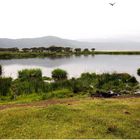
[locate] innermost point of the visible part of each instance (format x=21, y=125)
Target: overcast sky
x=73, y=19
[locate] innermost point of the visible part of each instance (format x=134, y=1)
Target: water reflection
x=75, y=65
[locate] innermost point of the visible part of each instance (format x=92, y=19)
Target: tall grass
x=5, y=84
x=29, y=81
x=30, y=74
x=0, y=70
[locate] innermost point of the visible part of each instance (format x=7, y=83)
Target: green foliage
x=30, y=74
x=77, y=50
x=62, y=93
x=86, y=50
x=0, y=70
x=29, y=81
x=132, y=80
x=106, y=81
x=5, y=84
x=138, y=71
x=77, y=85
x=59, y=74
x=55, y=51
x=27, y=87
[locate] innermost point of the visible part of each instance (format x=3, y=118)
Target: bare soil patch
x=43, y=103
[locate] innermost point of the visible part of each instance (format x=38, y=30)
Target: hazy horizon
x=71, y=19
x=111, y=39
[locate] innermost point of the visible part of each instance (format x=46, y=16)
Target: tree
x=55, y=49
x=68, y=49
x=138, y=71
x=26, y=49
x=93, y=49
x=77, y=49
x=59, y=74
x=9, y=49
x=0, y=70
x=34, y=49
x=86, y=50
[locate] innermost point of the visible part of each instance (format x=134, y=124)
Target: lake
x=75, y=65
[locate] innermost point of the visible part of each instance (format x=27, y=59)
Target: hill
x=52, y=40
x=42, y=41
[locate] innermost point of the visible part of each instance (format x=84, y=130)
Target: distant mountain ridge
x=52, y=40
x=41, y=42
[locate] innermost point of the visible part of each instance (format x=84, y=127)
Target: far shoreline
x=20, y=55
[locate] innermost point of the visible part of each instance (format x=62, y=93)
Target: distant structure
x=112, y=4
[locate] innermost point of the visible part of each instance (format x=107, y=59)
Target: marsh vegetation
x=31, y=81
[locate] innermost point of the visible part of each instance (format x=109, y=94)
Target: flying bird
x=112, y=4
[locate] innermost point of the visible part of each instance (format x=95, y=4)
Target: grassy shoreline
x=19, y=55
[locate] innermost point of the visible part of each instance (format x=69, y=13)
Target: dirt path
x=44, y=103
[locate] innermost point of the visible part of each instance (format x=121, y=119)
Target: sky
x=72, y=19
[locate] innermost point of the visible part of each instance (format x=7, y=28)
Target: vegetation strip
x=31, y=81
x=54, y=51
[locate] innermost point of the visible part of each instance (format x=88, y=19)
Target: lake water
x=75, y=65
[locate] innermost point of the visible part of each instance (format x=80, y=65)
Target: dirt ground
x=43, y=103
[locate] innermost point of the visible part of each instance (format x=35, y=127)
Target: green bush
x=30, y=74
x=115, y=81
x=29, y=81
x=5, y=84
x=132, y=80
x=138, y=71
x=59, y=74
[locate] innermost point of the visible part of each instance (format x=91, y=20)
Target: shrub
x=30, y=74
x=132, y=80
x=138, y=71
x=116, y=82
x=29, y=81
x=77, y=85
x=5, y=84
x=59, y=74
